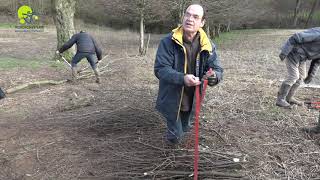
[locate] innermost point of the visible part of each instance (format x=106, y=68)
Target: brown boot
x=97, y=74
x=290, y=99
x=281, y=99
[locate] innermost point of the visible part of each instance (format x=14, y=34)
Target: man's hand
x=209, y=73
x=191, y=80
x=282, y=56
x=308, y=80
x=58, y=52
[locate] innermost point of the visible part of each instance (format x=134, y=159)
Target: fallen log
x=45, y=82
x=33, y=84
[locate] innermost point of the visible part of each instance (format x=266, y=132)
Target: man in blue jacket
x=87, y=47
x=299, y=48
x=183, y=59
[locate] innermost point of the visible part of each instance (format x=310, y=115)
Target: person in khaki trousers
x=299, y=48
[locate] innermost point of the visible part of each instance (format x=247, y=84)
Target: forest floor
x=111, y=130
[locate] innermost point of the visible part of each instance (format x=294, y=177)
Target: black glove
x=99, y=57
x=212, y=80
x=282, y=56
x=308, y=80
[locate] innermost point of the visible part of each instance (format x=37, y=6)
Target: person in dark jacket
x=183, y=59
x=299, y=48
x=87, y=48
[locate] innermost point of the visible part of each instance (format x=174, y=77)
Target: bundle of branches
x=123, y=139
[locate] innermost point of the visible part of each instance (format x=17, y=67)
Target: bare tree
x=138, y=12
x=314, y=5
x=179, y=8
x=142, y=6
x=296, y=11
x=63, y=11
x=222, y=13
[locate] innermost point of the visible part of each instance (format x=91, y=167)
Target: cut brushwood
x=315, y=86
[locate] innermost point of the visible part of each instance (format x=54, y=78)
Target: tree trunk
x=182, y=5
x=296, y=11
x=63, y=16
x=229, y=26
x=14, y=8
x=217, y=30
x=148, y=41
x=315, y=4
x=142, y=49
x=208, y=29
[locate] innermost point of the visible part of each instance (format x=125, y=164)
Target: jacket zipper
x=185, y=71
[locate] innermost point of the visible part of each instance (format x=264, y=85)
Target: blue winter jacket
x=303, y=45
x=171, y=66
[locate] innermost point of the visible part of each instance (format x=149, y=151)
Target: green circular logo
x=26, y=15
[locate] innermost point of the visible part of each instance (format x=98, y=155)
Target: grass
x=7, y=63
x=226, y=37
x=7, y=25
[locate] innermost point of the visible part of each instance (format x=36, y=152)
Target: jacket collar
x=204, y=40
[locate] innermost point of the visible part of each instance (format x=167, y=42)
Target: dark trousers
x=176, y=127
x=91, y=58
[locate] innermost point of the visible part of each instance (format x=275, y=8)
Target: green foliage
x=227, y=37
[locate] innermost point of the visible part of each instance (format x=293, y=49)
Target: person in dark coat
x=183, y=59
x=87, y=48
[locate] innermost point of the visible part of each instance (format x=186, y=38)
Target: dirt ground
x=111, y=130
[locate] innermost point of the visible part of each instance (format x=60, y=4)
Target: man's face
x=192, y=19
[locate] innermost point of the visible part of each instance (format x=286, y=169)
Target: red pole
x=196, y=142
x=197, y=114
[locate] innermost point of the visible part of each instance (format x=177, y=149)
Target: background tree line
x=160, y=16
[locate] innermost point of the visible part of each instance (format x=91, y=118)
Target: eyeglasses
x=194, y=16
